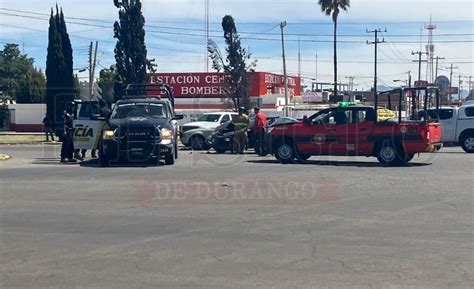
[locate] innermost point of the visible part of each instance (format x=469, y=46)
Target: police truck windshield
x=154, y=110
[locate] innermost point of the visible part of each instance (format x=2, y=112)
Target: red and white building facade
x=195, y=93
x=201, y=91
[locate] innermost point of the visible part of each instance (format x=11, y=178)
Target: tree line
x=20, y=81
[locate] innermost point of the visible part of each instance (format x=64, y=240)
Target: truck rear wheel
x=390, y=155
x=467, y=144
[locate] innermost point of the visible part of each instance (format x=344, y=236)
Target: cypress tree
x=59, y=67
x=236, y=65
x=67, y=52
x=130, y=50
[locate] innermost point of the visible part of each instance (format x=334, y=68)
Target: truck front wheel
x=103, y=159
x=467, y=144
x=170, y=158
x=198, y=143
x=285, y=153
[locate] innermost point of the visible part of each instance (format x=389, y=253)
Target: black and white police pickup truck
x=141, y=126
x=458, y=125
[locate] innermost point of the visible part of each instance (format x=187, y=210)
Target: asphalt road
x=224, y=221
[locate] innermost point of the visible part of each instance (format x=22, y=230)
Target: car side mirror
x=331, y=120
x=97, y=117
x=178, y=117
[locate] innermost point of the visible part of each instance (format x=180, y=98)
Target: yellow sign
x=384, y=114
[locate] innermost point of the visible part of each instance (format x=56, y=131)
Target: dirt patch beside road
x=15, y=139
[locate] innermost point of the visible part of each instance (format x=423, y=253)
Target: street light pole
x=282, y=25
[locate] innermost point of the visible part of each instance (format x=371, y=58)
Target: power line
x=260, y=23
x=101, y=40
x=203, y=30
x=390, y=44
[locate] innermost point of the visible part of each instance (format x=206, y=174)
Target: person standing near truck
x=48, y=128
x=241, y=124
x=259, y=127
x=67, y=148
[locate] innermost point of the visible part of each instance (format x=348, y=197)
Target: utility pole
x=282, y=25
x=409, y=79
x=436, y=70
x=376, y=41
x=316, y=67
x=206, y=35
x=459, y=88
x=420, y=53
x=93, y=67
x=470, y=77
x=90, y=70
x=299, y=56
x=451, y=80
x=92, y=64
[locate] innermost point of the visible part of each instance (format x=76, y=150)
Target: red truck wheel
x=390, y=155
x=285, y=153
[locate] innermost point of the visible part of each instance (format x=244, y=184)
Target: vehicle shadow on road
x=94, y=163
x=340, y=163
x=50, y=161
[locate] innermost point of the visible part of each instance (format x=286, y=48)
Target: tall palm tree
x=332, y=8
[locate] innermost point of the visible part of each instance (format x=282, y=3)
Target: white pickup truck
x=458, y=125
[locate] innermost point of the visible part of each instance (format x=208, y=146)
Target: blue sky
x=175, y=35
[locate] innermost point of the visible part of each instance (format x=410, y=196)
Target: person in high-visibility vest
x=241, y=124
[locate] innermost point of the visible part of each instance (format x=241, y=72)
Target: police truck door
x=86, y=129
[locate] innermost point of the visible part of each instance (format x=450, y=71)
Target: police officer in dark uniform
x=67, y=148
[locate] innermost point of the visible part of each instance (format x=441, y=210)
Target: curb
x=4, y=157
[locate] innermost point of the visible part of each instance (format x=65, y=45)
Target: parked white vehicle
x=194, y=134
x=458, y=125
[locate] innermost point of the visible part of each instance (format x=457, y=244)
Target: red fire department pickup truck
x=357, y=130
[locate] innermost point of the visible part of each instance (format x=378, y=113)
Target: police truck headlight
x=108, y=134
x=167, y=134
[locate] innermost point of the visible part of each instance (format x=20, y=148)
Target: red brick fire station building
x=203, y=91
